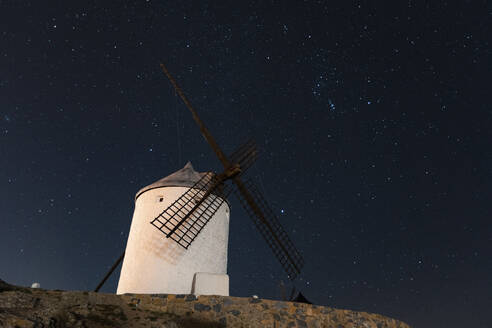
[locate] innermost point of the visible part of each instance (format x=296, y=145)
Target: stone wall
x=26, y=307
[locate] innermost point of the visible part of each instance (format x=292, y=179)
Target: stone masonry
x=26, y=307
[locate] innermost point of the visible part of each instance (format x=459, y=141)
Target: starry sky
x=372, y=123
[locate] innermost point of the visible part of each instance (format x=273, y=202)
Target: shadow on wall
x=164, y=248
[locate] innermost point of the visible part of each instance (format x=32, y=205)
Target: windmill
x=188, y=215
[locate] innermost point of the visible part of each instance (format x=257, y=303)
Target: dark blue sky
x=372, y=122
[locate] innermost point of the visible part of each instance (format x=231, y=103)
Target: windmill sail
x=269, y=226
x=254, y=203
x=183, y=220
x=245, y=155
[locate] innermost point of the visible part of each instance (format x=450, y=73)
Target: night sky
x=373, y=124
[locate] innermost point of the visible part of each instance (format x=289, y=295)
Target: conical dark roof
x=185, y=177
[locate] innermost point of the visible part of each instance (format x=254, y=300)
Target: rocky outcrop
x=26, y=307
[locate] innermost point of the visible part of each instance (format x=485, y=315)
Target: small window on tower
x=160, y=199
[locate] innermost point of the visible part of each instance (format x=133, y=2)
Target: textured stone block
x=210, y=284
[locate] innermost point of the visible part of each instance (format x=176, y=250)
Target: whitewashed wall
x=156, y=264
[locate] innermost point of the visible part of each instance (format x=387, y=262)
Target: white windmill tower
x=189, y=208
x=153, y=264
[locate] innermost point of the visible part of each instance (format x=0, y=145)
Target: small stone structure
x=28, y=308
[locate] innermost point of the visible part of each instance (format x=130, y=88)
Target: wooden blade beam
x=206, y=134
x=171, y=222
x=215, y=183
x=183, y=220
x=262, y=216
x=245, y=155
x=115, y=265
x=269, y=227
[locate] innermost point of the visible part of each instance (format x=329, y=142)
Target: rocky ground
x=27, y=307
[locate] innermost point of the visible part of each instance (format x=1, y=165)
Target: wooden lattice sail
x=251, y=199
x=187, y=216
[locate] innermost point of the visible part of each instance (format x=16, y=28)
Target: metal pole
x=115, y=265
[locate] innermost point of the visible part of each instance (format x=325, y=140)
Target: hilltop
x=28, y=307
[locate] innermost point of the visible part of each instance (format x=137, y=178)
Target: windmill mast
x=266, y=222
x=202, y=198
x=208, y=137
